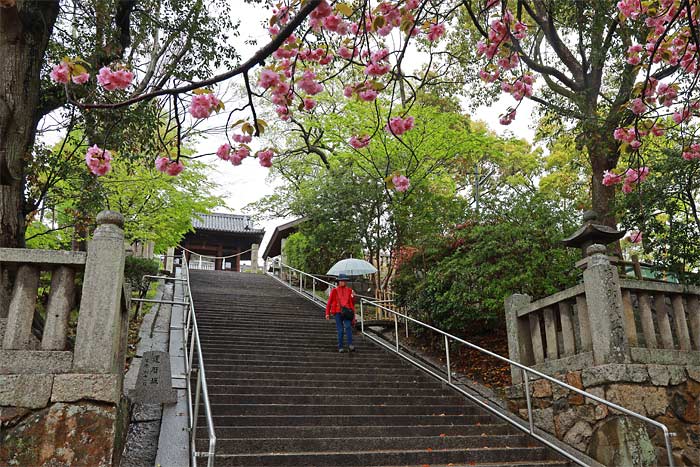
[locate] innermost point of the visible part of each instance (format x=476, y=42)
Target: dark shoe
x=352, y=348
x=341, y=350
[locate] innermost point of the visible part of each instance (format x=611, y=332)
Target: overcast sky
x=239, y=186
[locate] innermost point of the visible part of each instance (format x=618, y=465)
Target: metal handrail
x=526, y=371
x=526, y=378
x=193, y=410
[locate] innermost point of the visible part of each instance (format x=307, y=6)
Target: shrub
x=134, y=270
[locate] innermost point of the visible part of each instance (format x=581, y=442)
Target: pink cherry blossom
x=309, y=104
x=98, y=160
x=637, y=106
x=268, y=78
x=436, y=32
x=401, y=183
x=112, y=80
x=634, y=236
x=399, y=126
x=507, y=118
x=308, y=83
x=611, y=178
x=82, y=78
x=202, y=105
x=265, y=157
x=240, y=138
x=359, y=142
x=60, y=73
x=174, y=168
x=636, y=175
x=224, y=152
x=368, y=95
x=346, y=53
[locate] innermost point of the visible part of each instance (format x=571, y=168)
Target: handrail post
x=362, y=315
x=526, y=381
x=313, y=287
x=396, y=331
x=447, y=359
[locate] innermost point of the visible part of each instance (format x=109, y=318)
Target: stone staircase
x=282, y=395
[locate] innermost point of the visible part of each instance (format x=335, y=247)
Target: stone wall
x=665, y=393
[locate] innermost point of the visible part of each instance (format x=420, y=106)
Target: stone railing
x=605, y=320
x=35, y=372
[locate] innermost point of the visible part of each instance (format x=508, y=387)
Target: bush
x=134, y=270
x=464, y=279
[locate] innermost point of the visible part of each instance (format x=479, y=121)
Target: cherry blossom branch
x=258, y=58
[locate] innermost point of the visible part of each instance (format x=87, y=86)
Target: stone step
x=221, y=420
x=348, y=457
x=327, y=444
x=346, y=377
x=226, y=380
x=245, y=432
x=285, y=391
x=310, y=357
x=339, y=409
x=336, y=397
x=323, y=367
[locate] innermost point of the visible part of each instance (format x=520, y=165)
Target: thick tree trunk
x=24, y=33
x=603, y=154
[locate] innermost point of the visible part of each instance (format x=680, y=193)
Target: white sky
x=248, y=182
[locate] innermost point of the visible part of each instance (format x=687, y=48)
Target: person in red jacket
x=342, y=296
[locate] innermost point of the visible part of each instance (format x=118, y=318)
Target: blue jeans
x=343, y=326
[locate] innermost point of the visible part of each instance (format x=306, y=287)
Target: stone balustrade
x=34, y=372
x=605, y=320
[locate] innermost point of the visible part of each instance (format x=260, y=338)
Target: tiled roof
x=220, y=222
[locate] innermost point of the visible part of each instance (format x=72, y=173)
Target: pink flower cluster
x=507, y=118
x=401, y=182
x=359, y=142
x=226, y=153
x=436, y=32
x=111, y=80
x=692, y=153
x=521, y=87
x=399, y=126
x=62, y=72
x=631, y=177
x=265, y=157
x=202, y=105
x=308, y=83
x=378, y=64
x=627, y=135
x=634, y=236
x=172, y=168
x=98, y=160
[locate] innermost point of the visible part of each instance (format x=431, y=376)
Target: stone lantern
x=592, y=233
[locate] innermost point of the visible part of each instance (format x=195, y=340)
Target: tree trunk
x=603, y=155
x=24, y=33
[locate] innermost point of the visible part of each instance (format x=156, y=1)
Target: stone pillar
x=605, y=308
x=99, y=336
x=254, y=257
x=18, y=332
x=519, y=342
x=170, y=260
x=58, y=308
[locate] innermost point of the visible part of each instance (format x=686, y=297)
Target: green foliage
x=665, y=208
x=134, y=270
x=315, y=250
x=465, y=276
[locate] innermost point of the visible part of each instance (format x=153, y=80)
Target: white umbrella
x=352, y=267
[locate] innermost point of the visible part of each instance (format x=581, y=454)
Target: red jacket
x=340, y=296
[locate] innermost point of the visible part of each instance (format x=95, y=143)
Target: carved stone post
x=605, y=308
x=254, y=257
x=99, y=336
x=519, y=342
